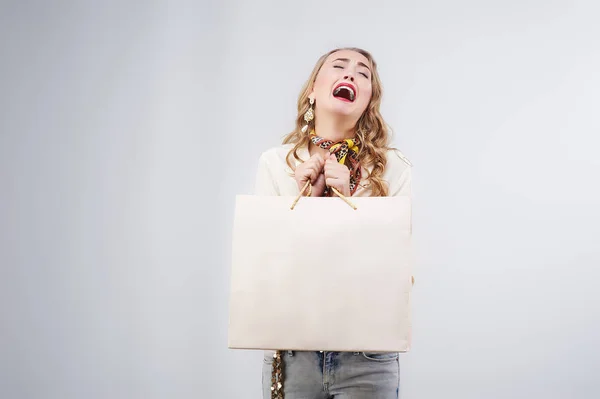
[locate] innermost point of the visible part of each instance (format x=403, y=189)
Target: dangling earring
x=308, y=115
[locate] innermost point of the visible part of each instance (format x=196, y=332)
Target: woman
x=339, y=147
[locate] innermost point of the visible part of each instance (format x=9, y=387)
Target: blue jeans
x=339, y=375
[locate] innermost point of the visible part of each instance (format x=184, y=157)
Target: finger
x=314, y=164
x=317, y=161
x=332, y=171
x=333, y=182
x=337, y=168
x=342, y=179
x=310, y=174
x=314, y=176
x=322, y=161
x=318, y=158
x=316, y=172
x=339, y=185
x=321, y=178
x=329, y=172
x=331, y=162
x=320, y=181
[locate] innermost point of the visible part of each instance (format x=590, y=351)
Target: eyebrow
x=347, y=60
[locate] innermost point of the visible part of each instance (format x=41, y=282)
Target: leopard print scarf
x=346, y=152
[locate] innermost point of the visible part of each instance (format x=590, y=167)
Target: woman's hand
x=311, y=170
x=337, y=175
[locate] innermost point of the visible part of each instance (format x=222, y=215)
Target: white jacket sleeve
x=265, y=184
x=401, y=181
x=403, y=185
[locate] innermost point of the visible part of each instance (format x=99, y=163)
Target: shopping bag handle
x=307, y=185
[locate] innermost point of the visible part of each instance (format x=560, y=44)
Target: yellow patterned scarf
x=346, y=152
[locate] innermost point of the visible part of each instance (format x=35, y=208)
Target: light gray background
x=127, y=128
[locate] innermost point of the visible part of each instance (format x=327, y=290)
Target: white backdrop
x=127, y=128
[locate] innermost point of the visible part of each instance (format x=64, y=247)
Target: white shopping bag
x=321, y=276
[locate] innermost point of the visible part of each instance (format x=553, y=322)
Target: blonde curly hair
x=370, y=129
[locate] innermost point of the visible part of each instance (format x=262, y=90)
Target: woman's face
x=343, y=84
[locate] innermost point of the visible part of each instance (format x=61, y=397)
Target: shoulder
x=397, y=163
x=275, y=176
x=273, y=161
x=275, y=155
x=398, y=173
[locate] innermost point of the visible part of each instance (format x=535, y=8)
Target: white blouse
x=274, y=176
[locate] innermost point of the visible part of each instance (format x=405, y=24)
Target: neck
x=333, y=130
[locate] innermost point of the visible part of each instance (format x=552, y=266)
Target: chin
x=343, y=110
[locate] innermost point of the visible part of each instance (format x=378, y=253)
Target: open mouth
x=345, y=92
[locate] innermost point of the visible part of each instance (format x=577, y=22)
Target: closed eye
x=338, y=66
x=365, y=75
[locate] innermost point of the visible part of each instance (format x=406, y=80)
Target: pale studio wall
x=127, y=128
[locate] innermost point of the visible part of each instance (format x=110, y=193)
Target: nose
x=349, y=77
